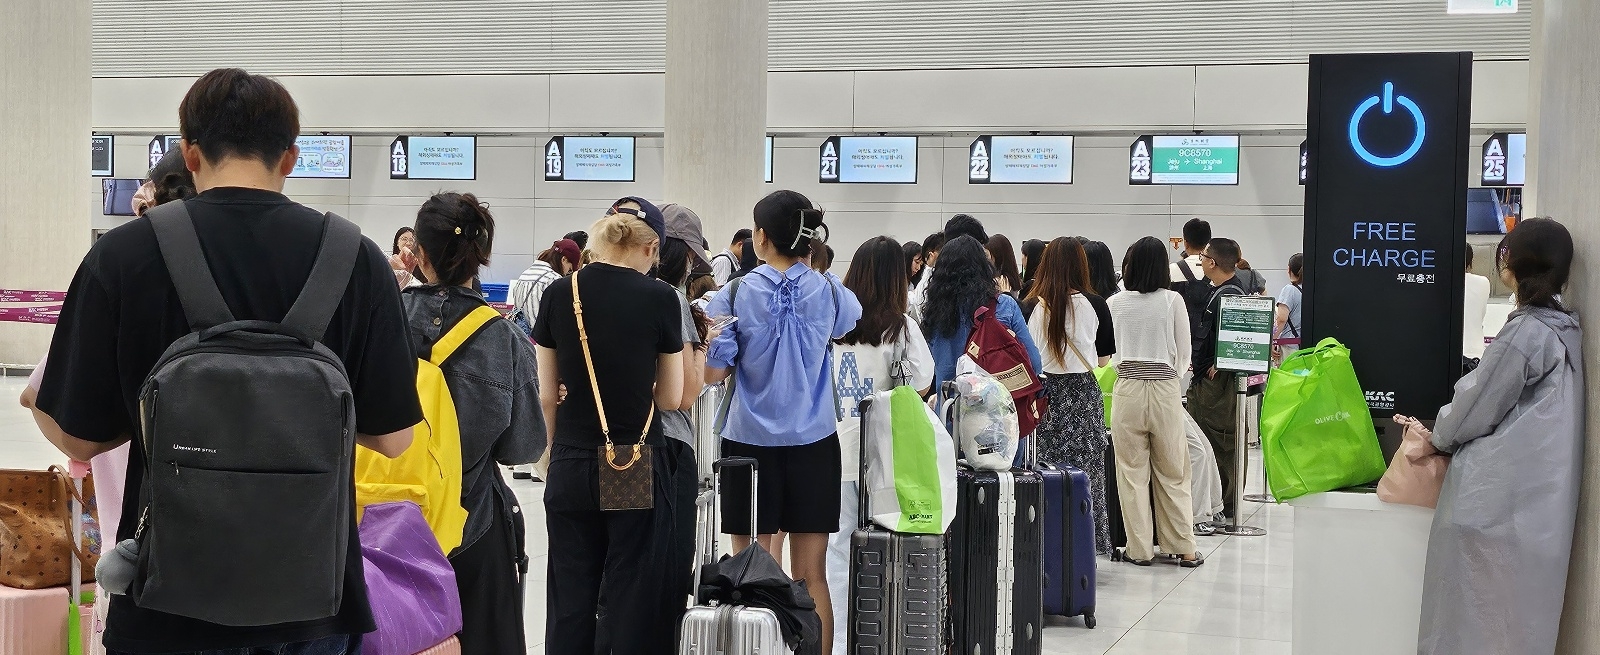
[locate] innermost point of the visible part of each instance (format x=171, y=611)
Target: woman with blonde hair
x=613, y=336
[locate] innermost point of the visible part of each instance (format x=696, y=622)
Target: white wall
x=407, y=37
x=515, y=114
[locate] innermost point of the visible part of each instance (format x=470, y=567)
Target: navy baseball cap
x=647, y=212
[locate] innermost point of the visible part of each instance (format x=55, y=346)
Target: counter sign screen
x=868, y=160
x=323, y=157
x=1184, y=160
x=589, y=159
x=1505, y=160
x=434, y=158
x=1020, y=160
x=102, y=157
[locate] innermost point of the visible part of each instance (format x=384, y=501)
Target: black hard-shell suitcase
x=996, y=551
x=897, y=583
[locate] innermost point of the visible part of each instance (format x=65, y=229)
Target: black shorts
x=799, y=488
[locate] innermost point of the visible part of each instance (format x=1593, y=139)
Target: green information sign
x=1244, y=337
x=1194, y=160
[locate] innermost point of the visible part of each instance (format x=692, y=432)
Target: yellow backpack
x=429, y=472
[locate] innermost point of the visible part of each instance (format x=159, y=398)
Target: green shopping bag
x=1316, y=430
x=910, y=472
x=1106, y=376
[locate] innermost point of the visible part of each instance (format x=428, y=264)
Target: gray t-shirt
x=1290, y=297
x=679, y=424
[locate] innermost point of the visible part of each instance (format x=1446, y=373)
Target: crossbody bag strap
x=833, y=383
x=731, y=384
x=594, y=385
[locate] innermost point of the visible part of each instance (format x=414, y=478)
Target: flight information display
x=868, y=160
x=160, y=144
x=1020, y=160
x=589, y=159
x=102, y=155
x=1505, y=159
x=322, y=156
x=1184, y=160
x=433, y=158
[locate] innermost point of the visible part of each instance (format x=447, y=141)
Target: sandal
x=1191, y=563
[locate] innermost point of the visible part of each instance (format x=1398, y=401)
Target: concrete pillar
x=45, y=188
x=716, y=111
x=1564, y=162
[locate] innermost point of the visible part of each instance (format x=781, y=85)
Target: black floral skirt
x=1075, y=434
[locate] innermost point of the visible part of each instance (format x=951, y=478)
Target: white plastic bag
x=1205, y=483
x=910, y=465
x=985, y=418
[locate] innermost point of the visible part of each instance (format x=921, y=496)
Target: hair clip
x=458, y=229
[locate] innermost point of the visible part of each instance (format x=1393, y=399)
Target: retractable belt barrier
x=40, y=313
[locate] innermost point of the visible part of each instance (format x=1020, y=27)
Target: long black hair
x=963, y=281
x=1539, y=254
x=877, y=275
x=913, y=253
x=672, y=267
x=456, y=233
x=1102, y=269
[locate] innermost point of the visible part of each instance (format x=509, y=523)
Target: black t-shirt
x=1205, y=335
x=631, y=320
x=1105, y=337
x=122, y=312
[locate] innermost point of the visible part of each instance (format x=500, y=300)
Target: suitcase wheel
x=1088, y=619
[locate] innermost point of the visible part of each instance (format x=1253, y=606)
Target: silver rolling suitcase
x=712, y=629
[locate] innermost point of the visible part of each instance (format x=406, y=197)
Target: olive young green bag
x=1316, y=430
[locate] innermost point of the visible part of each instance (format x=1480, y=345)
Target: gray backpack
x=248, y=431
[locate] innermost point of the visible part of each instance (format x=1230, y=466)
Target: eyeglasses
x=1205, y=256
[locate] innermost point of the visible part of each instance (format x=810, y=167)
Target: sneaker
x=521, y=475
x=1204, y=530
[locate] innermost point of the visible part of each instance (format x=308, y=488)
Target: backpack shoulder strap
x=464, y=329
x=186, y=265
x=1188, y=274
x=330, y=275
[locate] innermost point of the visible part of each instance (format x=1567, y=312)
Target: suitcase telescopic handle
x=863, y=408
x=755, y=487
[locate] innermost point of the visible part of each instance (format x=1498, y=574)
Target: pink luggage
x=34, y=621
x=450, y=647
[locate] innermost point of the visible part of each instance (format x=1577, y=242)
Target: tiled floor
x=1239, y=603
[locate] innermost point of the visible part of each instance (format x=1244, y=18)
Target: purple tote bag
x=410, y=584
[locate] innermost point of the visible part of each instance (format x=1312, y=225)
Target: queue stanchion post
x=1266, y=492
x=1241, y=459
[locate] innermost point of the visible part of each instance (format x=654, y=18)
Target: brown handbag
x=36, y=548
x=629, y=485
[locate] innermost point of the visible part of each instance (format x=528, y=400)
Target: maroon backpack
x=996, y=349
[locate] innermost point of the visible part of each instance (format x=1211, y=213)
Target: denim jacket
x=493, y=379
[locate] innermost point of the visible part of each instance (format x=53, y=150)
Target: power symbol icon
x=1389, y=99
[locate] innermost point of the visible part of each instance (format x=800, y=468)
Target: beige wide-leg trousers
x=1147, y=428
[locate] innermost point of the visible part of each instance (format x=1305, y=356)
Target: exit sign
x=1483, y=6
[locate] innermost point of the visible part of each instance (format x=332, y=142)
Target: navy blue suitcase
x=1069, y=561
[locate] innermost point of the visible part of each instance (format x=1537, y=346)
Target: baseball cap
x=647, y=212
x=684, y=225
x=569, y=251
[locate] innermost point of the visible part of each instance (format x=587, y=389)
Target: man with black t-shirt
x=122, y=311
x=1211, y=394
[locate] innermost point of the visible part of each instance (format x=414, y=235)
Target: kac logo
x=1383, y=400
x=1389, y=99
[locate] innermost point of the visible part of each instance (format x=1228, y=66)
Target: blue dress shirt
x=779, y=350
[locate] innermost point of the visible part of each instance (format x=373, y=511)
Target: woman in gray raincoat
x=1502, y=536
